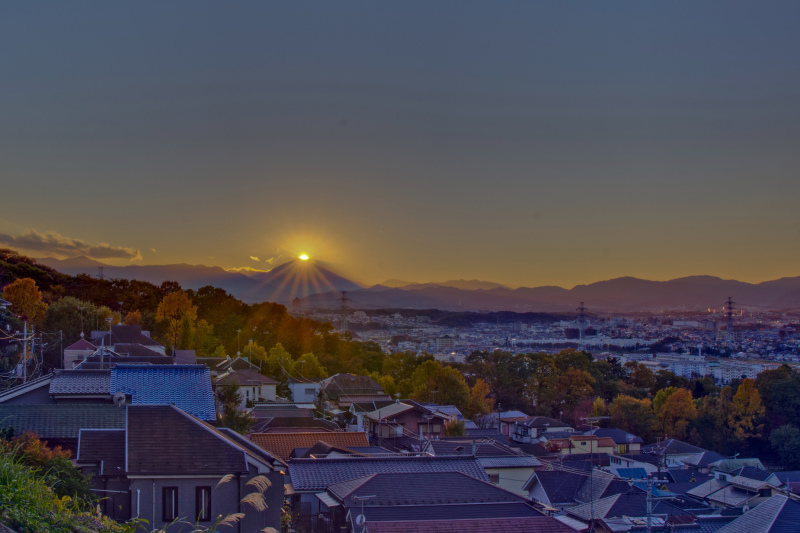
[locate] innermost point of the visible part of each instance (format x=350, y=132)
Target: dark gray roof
x=394, y=513
x=81, y=382
x=632, y=504
x=617, y=435
x=672, y=447
x=463, y=446
x=559, y=486
x=315, y=475
x=125, y=335
x=487, y=433
x=753, y=472
x=421, y=488
x=509, y=461
x=703, y=459
x=137, y=350
x=106, y=445
x=61, y=421
x=540, y=422
x=163, y=440
x=779, y=514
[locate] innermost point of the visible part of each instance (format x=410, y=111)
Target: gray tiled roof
x=106, y=445
x=518, y=461
x=778, y=514
x=61, y=421
x=81, y=382
x=315, y=475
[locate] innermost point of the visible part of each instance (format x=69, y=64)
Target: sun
x=303, y=257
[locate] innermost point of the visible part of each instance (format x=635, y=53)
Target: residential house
x=349, y=385
x=733, y=491
x=624, y=442
x=303, y=391
x=252, y=386
x=187, y=386
x=505, y=467
x=77, y=352
x=165, y=466
x=405, y=418
x=357, y=412
x=778, y=514
x=408, y=501
x=581, y=444
x=635, y=461
x=282, y=445
x=221, y=365
x=672, y=451
x=529, y=429
x=309, y=477
x=126, y=340
x=60, y=424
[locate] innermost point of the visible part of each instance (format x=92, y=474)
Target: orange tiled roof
x=282, y=444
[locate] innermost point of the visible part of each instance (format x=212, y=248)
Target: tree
x=675, y=412
x=26, y=300
x=454, y=429
x=633, y=415
x=747, y=412
x=433, y=382
x=231, y=417
x=785, y=441
x=308, y=366
x=599, y=407
x=173, y=307
x=573, y=386
x=65, y=315
x=480, y=403
x=133, y=318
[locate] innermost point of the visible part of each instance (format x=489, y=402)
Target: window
x=494, y=478
x=170, y=504
x=203, y=504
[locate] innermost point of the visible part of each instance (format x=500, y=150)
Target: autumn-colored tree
x=386, y=382
x=573, y=386
x=599, y=407
x=480, y=403
x=26, y=300
x=746, y=419
x=456, y=428
x=173, y=307
x=133, y=318
x=633, y=415
x=675, y=412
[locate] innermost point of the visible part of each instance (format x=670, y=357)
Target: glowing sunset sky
x=527, y=143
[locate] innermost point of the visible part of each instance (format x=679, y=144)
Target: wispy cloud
x=54, y=243
x=154, y=250
x=254, y=258
x=244, y=269
x=278, y=259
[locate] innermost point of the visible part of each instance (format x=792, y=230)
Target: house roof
x=315, y=475
x=245, y=378
x=617, y=435
x=301, y=424
x=517, y=461
x=83, y=382
x=186, y=386
x=463, y=512
x=106, y=445
x=420, y=488
x=350, y=384
x=486, y=433
x=185, y=357
x=540, y=422
x=703, y=459
x=24, y=388
x=61, y=420
x=390, y=411
x=138, y=350
x=623, y=504
x=367, y=406
x=559, y=486
x=81, y=345
x=282, y=444
x=164, y=440
x=732, y=465
x=348, y=399
x=539, y=524
x=464, y=446
x=778, y=514
x=126, y=335
x=672, y=447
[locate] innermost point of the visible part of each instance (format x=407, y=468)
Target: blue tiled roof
x=632, y=473
x=188, y=387
x=315, y=475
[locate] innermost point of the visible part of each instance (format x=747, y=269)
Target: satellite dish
x=361, y=520
x=119, y=399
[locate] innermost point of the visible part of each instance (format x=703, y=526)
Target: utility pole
x=591, y=420
x=25, y=354
x=649, y=501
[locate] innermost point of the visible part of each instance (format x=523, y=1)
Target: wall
x=512, y=479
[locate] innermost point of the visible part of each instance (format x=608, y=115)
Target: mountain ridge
x=318, y=285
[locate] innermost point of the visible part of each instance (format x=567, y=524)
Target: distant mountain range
x=319, y=286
